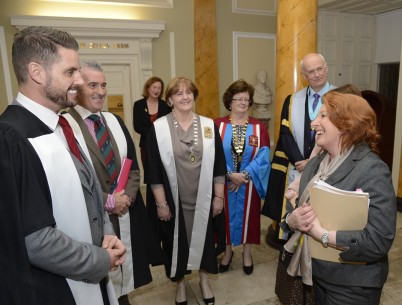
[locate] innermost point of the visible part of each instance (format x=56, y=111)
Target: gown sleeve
x=23, y=177
x=154, y=166
x=289, y=144
x=260, y=167
x=24, y=208
x=220, y=161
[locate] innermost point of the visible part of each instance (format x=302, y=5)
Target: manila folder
x=337, y=211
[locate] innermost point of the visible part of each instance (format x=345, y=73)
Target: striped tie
x=316, y=100
x=315, y=103
x=105, y=146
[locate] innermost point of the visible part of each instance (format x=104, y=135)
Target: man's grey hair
x=92, y=65
x=322, y=58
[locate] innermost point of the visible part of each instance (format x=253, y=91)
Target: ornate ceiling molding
x=93, y=27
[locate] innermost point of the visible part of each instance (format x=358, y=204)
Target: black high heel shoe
x=248, y=269
x=209, y=301
x=223, y=268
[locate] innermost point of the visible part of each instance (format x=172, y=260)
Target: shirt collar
x=85, y=113
x=324, y=90
x=47, y=116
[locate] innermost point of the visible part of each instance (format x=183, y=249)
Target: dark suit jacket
x=365, y=170
x=99, y=163
x=142, y=123
x=144, y=245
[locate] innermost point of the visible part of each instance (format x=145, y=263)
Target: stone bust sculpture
x=262, y=96
x=262, y=93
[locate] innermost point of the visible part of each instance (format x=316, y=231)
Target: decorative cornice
x=142, y=3
x=94, y=27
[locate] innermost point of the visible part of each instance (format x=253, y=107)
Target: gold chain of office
x=193, y=143
x=239, y=137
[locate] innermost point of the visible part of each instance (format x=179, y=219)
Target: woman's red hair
x=354, y=118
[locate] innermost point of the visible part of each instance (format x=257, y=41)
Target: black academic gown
x=286, y=152
x=25, y=207
x=215, y=235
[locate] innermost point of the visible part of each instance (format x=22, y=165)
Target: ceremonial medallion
x=192, y=158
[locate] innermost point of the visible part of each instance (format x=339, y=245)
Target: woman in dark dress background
x=148, y=109
x=145, y=112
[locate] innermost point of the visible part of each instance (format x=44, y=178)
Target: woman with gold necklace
x=186, y=171
x=246, y=145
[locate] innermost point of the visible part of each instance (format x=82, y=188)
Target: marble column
x=296, y=36
x=206, y=58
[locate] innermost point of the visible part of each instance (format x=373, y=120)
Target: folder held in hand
x=124, y=173
x=337, y=210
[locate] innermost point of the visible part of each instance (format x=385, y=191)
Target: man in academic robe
x=125, y=207
x=58, y=244
x=296, y=139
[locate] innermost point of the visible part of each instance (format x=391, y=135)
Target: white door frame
x=396, y=161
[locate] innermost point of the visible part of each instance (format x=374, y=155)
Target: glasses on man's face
x=241, y=100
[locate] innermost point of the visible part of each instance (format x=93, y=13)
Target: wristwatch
x=325, y=238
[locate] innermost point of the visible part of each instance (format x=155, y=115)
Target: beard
x=58, y=96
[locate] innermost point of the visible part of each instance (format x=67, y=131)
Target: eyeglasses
x=239, y=100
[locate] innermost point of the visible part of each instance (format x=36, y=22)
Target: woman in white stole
x=186, y=171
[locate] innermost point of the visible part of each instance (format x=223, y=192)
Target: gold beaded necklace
x=238, y=138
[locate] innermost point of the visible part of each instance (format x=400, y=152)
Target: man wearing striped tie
x=296, y=140
x=106, y=140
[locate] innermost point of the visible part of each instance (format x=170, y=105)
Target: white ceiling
x=371, y=7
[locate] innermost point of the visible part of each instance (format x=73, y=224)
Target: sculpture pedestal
x=261, y=113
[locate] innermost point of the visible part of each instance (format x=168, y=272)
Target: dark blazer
x=362, y=169
x=141, y=121
x=99, y=163
x=142, y=238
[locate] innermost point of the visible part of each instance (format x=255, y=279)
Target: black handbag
x=290, y=289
